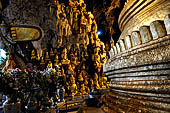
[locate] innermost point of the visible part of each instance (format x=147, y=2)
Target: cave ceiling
x=106, y=13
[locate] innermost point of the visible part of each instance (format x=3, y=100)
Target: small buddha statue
x=55, y=51
x=47, y=57
x=96, y=83
x=83, y=71
x=91, y=83
x=73, y=85
x=103, y=56
x=70, y=69
x=101, y=82
x=33, y=54
x=94, y=28
x=51, y=52
x=86, y=54
x=38, y=56
x=83, y=90
x=75, y=21
x=82, y=21
x=10, y=63
x=42, y=63
x=64, y=57
x=50, y=65
x=97, y=41
x=80, y=78
x=96, y=77
x=105, y=83
x=83, y=59
x=96, y=58
x=62, y=72
x=85, y=81
x=56, y=61
x=42, y=60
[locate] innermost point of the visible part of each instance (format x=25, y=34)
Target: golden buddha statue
x=56, y=61
x=96, y=58
x=91, y=38
x=96, y=83
x=105, y=83
x=94, y=28
x=73, y=86
x=64, y=57
x=42, y=60
x=55, y=51
x=91, y=83
x=47, y=57
x=96, y=77
x=80, y=77
x=86, y=54
x=75, y=61
x=75, y=23
x=82, y=20
x=70, y=69
x=83, y=7
x=10, y=63
x=83, y=90
x=51, y=52
x=97, y=42
x=50, y=65
x=83, y=71
x=101, y=82
x=38, y=56
x=83, y=59
x=33, y=54
x=85, y=81
x=62, y=71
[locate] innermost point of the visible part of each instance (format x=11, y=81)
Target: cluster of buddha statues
x=82, y=68
x=81, y=61
x=73, y=23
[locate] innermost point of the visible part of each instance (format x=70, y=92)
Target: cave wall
x=32, y=12
x=106, y=13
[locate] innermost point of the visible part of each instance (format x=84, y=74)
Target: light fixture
x=99, y=32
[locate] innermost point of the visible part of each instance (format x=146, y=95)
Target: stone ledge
x=156, y=51
x=133, y=17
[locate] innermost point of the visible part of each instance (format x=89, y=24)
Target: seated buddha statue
x=51, y=54
x=56, y=61
x=91, y=84
x=33, y=54
x=105, y=83
x=96, y=58
x=50, y=65
x=70, y=69
x=80, y=77
x=64, y=57
x=83, y=71
x=38, y=57
x=10, y=63
x=73, y=86
x=83, y=90
x=96, y=83
x=47, y=58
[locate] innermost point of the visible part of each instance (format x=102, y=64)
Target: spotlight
x=99, y=32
